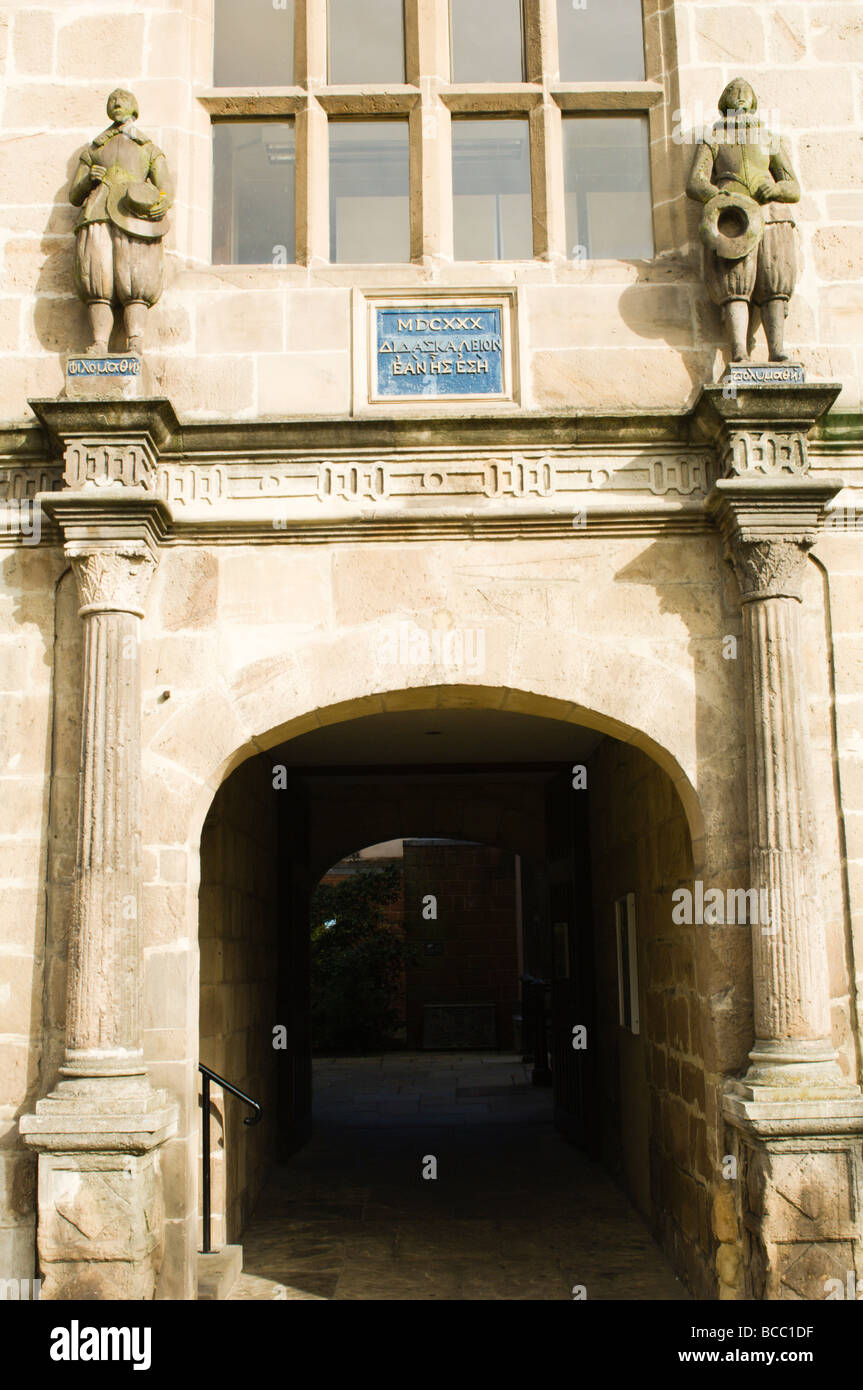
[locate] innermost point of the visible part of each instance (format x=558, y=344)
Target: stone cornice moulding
x=761, y=430
x=320, y=481
x=108, y=444
x=62, y=420
x=236, y=525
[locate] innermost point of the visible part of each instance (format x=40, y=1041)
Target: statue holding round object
x=742, y=175
x=124, y=189
x=731, y=226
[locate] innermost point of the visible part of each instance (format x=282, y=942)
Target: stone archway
x=676, y=980
x=245, y=705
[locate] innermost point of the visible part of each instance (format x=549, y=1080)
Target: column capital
x=769, y=525
x=112, y=539
x=761, y=431
x=114, y=579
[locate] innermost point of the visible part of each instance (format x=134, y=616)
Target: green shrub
x=357, y=961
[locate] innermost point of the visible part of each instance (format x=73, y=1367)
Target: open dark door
x=572, y=978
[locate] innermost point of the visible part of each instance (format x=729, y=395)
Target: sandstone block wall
x=247, y=341
x=32, y=987
x=655, y=1130
x=244, y=646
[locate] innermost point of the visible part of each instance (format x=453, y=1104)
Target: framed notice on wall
x=627, y=963
x=436, y=348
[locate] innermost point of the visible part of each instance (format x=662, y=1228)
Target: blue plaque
x=439, y=350
x=110, y=365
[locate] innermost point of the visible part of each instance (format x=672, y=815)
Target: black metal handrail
x=209, y=1076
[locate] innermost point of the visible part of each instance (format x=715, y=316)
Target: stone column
x=768, y=534
x=99, y=1131
x=797, y=1119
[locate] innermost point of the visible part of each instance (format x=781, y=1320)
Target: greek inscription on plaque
x=439, y=351
x=765, y=374
x=104, y=366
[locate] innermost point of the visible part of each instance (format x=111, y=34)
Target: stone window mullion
x=428, y=66
x=310, y=44
x=546, y=174
x=312, y=188
x=541, y=62
x=312, y=153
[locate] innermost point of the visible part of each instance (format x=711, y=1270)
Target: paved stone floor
x=515, y=1212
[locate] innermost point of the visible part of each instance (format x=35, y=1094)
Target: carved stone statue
x=750, y=255
x=124, y=190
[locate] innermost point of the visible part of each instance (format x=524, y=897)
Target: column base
x=799, y=1191
x=798, y=1070
x=99, y=1189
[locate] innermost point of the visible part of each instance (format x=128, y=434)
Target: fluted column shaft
x=103, y=1026
x=769, y=528
x=790, y=953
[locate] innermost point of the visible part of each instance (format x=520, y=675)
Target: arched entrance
x=604, y=837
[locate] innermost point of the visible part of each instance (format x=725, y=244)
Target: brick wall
x=476, y=926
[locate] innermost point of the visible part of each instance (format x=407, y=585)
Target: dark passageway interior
x=515, y=1212
x=596, y=1178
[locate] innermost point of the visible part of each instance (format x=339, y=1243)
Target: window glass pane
x=254, y=44
x=367, y=41
x=369, y=191
x=600, y=40
x=491, y=190
x=486, y=40
x=253, y=193
x=607, y=185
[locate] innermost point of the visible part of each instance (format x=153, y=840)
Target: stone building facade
x=267, y=571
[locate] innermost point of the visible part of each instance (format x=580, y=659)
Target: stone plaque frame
x=367, y=399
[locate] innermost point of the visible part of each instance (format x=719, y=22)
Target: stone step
x=218, y=1272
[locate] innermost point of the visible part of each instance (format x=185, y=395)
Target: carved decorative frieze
x=520, y=477
x=95, y=463
x=353, y=482
x=193, y=483
x=681, y=475
x=457, y=473
x=22, y=484
x=766, y=452
x=112, y=579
